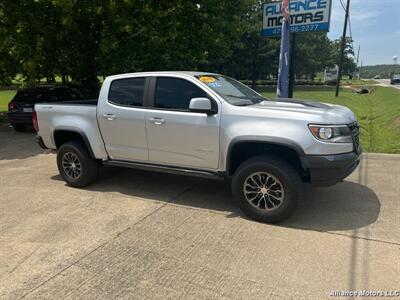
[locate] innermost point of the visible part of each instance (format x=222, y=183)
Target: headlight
x=331, y=134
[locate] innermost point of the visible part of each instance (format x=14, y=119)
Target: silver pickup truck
x=208, y=125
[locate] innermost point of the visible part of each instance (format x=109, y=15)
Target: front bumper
x=327, y=170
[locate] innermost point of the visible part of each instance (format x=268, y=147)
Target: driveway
x=142, y=235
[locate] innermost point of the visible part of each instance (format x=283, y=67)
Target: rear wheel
x=267, y=189
x=20, y=128
x=75, y=165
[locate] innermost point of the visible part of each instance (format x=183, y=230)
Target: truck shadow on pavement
x=346, y=206
x=17, y=145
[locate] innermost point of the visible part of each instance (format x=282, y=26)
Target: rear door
x=121, y=119
x=175, y=135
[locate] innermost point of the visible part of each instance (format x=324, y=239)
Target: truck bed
x=77, y=102
x=77, y=116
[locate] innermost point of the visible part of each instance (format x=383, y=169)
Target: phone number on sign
x=302, y=28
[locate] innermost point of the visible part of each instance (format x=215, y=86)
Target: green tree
x=80, y=40
x=254, y=57
x=349, y=65
x=312, y=54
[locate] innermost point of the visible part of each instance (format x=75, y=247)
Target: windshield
x=231, y=90
x=397, y=76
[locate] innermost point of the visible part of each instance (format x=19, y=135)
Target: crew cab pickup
x=204, y=124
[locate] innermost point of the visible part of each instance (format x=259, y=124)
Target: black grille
x=355, y=132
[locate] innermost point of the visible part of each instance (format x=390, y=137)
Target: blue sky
x=375, y=26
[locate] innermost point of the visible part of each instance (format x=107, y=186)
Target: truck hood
x=334, y=114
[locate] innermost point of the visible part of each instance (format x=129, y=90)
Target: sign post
x=305, y=16
x=282, y=89
x=291, y=66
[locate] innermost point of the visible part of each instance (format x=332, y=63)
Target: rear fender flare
x=78, y=131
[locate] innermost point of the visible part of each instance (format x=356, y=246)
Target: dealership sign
x=305, y=16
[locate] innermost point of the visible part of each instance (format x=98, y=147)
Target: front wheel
x=75, y=165
x=267, y=189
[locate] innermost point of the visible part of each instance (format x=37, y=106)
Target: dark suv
x=20, y=108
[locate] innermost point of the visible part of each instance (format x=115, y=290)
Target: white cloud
x=374, y=26
x=358, y=15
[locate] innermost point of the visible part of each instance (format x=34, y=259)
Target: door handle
x=109, y=117
x=157, y=121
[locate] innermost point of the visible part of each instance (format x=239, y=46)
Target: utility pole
x=343, y=48
x=358, y=54
x=357, y=68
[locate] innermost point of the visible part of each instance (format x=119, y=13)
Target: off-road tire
x=88, y=166
x=281, y=170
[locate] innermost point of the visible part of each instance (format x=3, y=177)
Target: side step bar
x=165, y=169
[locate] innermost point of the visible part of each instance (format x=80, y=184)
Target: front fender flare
x=269, y=140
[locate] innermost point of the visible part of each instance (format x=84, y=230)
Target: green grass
x=359, y=82
x=378, y=113
x=5, y=97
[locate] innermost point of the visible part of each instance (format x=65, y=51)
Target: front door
x=177, y=136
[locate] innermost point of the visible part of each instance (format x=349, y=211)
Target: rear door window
x=127, y=92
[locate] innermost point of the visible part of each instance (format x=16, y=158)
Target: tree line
x=384, y=71
x=82, y=40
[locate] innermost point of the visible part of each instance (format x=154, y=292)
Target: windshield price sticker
x=207, y=79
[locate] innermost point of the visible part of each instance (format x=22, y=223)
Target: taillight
x=11, y=105
x=34, y=121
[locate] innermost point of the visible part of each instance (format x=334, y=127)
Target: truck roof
x=160, y=73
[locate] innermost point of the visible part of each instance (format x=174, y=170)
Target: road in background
x=386, y=82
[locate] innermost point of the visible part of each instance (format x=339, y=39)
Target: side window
x=64, y=94
x=128, y=92
x=175, y=93
x=61, y=94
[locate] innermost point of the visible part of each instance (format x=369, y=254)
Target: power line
x=341, y=2
x=349, y=23
x=351, y=34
